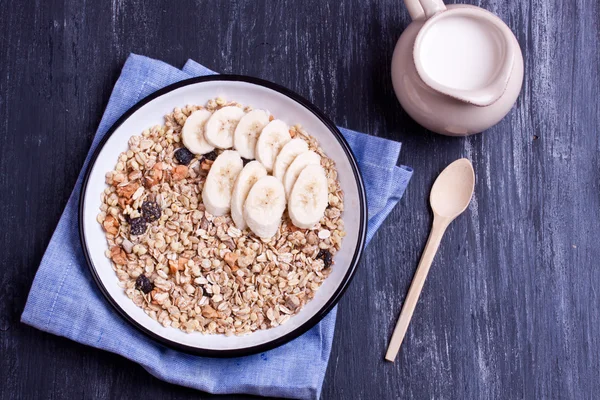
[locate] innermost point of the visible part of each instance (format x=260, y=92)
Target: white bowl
x=286, y=105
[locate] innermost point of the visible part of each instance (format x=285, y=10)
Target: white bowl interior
x=152, y=113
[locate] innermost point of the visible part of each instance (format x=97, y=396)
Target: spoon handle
x=435, y=237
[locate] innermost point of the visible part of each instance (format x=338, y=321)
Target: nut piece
x=123, y=202
x=111, y=225
x=155, y=175
x=180, y=172
x=231, y=258
x=117, y=254
x=128, y=190
x=209, y=312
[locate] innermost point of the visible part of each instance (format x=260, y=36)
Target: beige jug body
x=451, y=110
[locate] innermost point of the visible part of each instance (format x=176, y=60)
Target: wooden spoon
x=450, y=196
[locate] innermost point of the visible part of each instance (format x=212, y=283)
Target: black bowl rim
x=333, y=300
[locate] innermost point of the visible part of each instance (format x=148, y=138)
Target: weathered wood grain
x=510, y=307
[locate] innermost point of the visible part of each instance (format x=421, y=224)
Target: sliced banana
x=272, y=138
x=287, y=155
x=216, y=194
x=192, y=133
x=309, y=197
x=221, y=125
x=264, y=206
x=251, y=173
x=247, y=132
x=296, y=167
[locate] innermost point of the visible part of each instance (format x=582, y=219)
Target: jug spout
x=467, y=54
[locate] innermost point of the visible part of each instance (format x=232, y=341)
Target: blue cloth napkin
x=65, y=301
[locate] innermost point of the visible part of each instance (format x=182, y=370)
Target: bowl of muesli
x=223, y=215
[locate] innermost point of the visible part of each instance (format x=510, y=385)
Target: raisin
x=212, y=156
x=143, y=283
x=138, y=225
x=325, y=255
x=245, y=161
x=184, y=156
x=151, y=211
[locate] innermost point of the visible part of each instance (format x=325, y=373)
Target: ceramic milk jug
x=456, y=69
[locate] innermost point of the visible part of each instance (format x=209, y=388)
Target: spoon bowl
x=452, y=190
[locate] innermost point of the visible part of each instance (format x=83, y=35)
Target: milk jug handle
x=423, y=9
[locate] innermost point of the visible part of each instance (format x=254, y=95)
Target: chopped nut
x=128, y=190
x=231, y=258
x=117, y=254
x=209, y=312
x=122, y=202
x=180, y=172
x=111, y=225
x=155, y=175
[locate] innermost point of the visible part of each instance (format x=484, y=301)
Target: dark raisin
x=212, y=156
x=143, y=283
x=138, y=225
x=245, y=161
x=151, y=211
x=325, y=255
x=184, y=156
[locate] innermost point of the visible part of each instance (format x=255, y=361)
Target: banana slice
x=296, y=167
x=221, y=125
x=264, y=206
x=192, y=133
x=247, y=131
x=216, y=194
x=309, y=197
x=251, y=173
x=287, y=155
x=272, y=138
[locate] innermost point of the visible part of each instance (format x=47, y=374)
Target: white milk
x=462, y=53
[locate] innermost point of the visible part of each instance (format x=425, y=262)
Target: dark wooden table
x=510, y=309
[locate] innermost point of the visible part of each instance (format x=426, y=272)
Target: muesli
x=223, y=220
